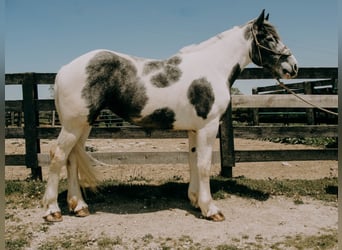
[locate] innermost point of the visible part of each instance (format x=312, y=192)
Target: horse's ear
x=267, y=17
x=260, y=20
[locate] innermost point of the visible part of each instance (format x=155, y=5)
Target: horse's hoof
x=53, y=217
x=82, y=212
x=216, y=217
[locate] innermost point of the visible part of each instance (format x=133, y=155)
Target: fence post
x=310, y=112
x=53, y=118
x=227, y=150
x=31, y=121
x=255, y=111
x=19, y=121
x=12, y=118
x=334, y=86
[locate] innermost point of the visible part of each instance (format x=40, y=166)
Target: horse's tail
x=87, y=174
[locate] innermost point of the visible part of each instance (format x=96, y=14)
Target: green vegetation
x=27, y=194
x=316, y=242
x=321, y=242
x=81, y=240
x=16, y=243
x=75, y=241
x=104, y=241
x=320, y=189
x=327, y=142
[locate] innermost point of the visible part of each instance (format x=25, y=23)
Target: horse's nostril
x=295, y=67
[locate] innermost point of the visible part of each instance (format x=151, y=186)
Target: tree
x=51, y=90
x=235, y=91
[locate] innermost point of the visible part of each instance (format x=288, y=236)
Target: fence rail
x=247, y=132
x=33, y=129
x=310, y=115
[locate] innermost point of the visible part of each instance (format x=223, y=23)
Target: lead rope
x=302, y=99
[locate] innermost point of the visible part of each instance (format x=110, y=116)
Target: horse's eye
x=270, y=39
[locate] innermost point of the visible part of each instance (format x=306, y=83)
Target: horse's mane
x=204, y=44
x=270, y=29
x=195, y=47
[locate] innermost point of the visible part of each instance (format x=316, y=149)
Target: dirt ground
x=247, y=220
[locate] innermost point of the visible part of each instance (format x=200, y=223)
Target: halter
x=284, y=51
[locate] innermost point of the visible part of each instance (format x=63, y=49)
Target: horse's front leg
x=205, y=139
x=193, y=185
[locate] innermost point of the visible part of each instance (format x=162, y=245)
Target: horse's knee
x=57, y=154
x=204, y=174
x=52, y=151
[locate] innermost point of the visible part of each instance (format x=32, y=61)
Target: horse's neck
x=224, y=51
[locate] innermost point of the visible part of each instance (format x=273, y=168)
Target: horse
x=188, y=91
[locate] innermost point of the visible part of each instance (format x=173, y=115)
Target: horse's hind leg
x=75, y=200
x=59, y=156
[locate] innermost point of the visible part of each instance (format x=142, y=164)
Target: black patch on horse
x=160, y=118
x=175, y=60
x=201, y=96
x=152, y=66
x=234, y=74
x=160, y=80
x=169, y=71
x=112, y=83
x=173, y=73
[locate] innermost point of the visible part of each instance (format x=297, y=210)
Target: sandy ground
x=247, y=220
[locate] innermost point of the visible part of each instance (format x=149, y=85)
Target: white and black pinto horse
x=189, y=91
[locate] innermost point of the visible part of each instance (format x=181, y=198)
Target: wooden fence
x=33, y=131
x=311, y=116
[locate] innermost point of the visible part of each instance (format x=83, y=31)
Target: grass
x=327, y=241
x=18, y=236
x=321, y=189
x=76, y=241
x=80, y=241
x=21, y=237
x=16, y=243
x=316, y=242
x=327, y=142
x=28, y=194
x=104, y=241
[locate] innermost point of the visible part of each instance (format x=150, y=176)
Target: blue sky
x=42, y=35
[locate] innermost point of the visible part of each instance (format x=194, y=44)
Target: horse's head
x=268, y=50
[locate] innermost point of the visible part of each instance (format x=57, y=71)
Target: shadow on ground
x=332, y=190
x=144, y=198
